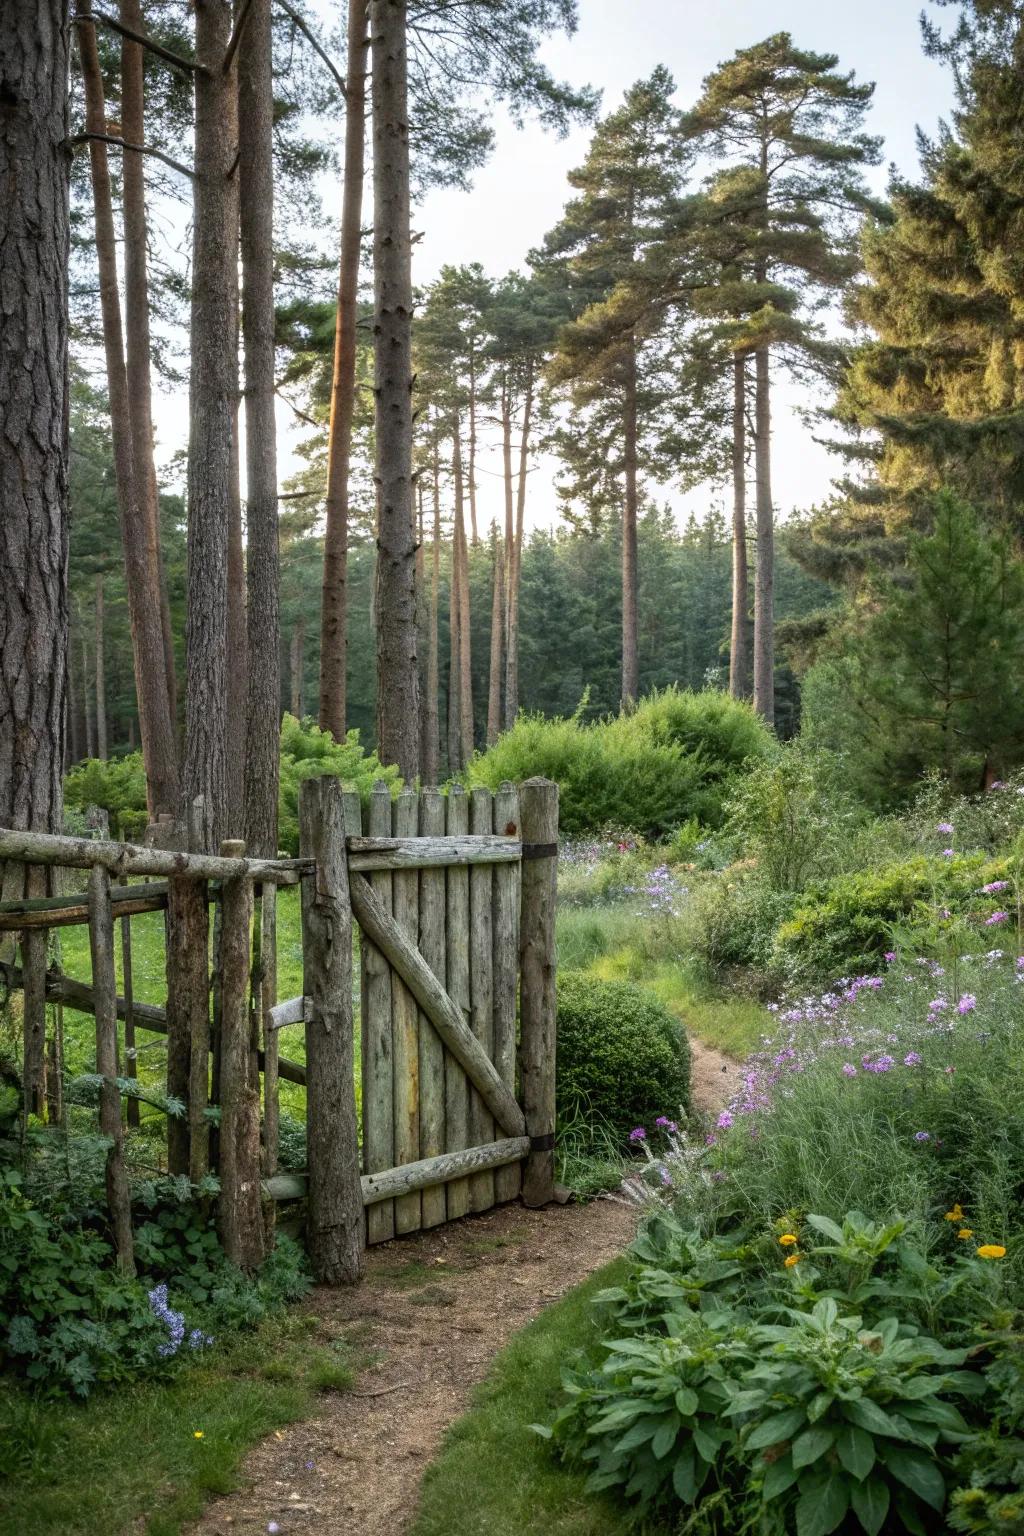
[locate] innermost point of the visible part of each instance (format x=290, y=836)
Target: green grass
x=129, y=1458
x=494, y=1476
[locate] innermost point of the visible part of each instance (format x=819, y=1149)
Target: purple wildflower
x=996, y=917
x=638, y=1133
x=967, y=1003
x=994, y=886
x=911, y=1059
x=724, y=1120
x=948, y=853
x=945, y=827
x=890, y=956
x=922, y=1135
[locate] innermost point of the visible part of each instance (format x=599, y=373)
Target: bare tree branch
x=138, y=149
x=177, y=60
x=315, y=44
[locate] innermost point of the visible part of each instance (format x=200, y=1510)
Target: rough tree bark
x=630, y=656
x=256, y=190
x=431, y=751
x=471, y=466
x=136, y=317
x=739, y=666
x=297, y=664
x=764, y=566
x=334, y=605
x=461, y=620
x=142, y=582
x=514, y=564
x=100, y=659
x=397, y=672
x=494, y=678
x=212, y=402
x=34, y=237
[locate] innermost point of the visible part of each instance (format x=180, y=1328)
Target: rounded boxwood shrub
x=622, y=1057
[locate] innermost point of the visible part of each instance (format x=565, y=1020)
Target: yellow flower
x=966, y=1232
x=197, y=1434
x=991, y=1251
x=794, y=1258
x=956, y=1214
x=787, y=1239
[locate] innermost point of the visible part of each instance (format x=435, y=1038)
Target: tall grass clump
x=672, y=760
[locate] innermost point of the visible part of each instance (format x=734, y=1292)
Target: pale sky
x=519, y=195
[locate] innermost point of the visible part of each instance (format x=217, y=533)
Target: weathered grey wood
x=240, y=1217
x=131, y=1066
x=443, y=1013
x=187, y=1024
x=271, y=1044
x=69, y=911
x=33, y=953
x=432, y=948
x=508, y=1179
x=456, y=1084
x=538, y=801
x=104, y=987
x=405, y=1019
x=377, y=1040
x=367, y=853
x=335, y=1225
x=427, y=1173
x=148, y=1016
x=131, y=859
x=474, y=1161
x=295, y=1010
x=481, y=974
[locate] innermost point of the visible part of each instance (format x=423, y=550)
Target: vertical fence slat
x=508, y=1180
x=405, y=1021
x=335, y=1223
x=33, y=970
x=481, y=942
x=104, y=990
x=131, y=1065
x=456, y=1087
x=432, y=948
x=378, y=1060
x=240, y=1211
x=271, y=1045
x=538, y=802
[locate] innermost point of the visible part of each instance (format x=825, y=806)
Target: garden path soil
x=431, y=1314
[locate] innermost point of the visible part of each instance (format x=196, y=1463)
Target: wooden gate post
x=104, y=991
x=336, y=1221
x=240, y=1208
x=538, y=808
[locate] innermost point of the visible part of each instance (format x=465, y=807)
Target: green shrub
x=672, y=760
x=731, y=921
x=117, y=787
x=793, y=816
x=307, y=752
x=847, y=923
x=622, y=1057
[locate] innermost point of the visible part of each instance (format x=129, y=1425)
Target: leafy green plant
x=308, y=752
x=622, y=1056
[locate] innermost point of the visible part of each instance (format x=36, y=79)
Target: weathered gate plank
x=377, y=1052
x=508, y=1179
x=405, y=1020
x=439, y=1007
x=432, y=948
x=456, y=1086
x=481, y=981
x=428, y=852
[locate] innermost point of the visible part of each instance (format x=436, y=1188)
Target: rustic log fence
x=452, y=897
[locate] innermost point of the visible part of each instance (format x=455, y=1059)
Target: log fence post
x=336, y=1224
x=240, y=1213
x=104, y=983
x=538, y=805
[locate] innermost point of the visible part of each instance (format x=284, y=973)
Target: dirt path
x=432, y=1313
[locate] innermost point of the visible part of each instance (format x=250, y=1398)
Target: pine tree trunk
x=159, y=748
x=514, y=564
x=764, y=567
x=34, y=238
x=75, y=715
x=298, y=661
x=466, y=732
x=238, y=638
x=739, y=663
x=397, y=672
x=256, y=190
x=87, y=709
x=630, y=655
x=334, y=608
x=497, y=634
x=99, y=656
x=430, y=766
x=454, y=735
x=474, y=531
x=136, y=317
x=212, y=404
